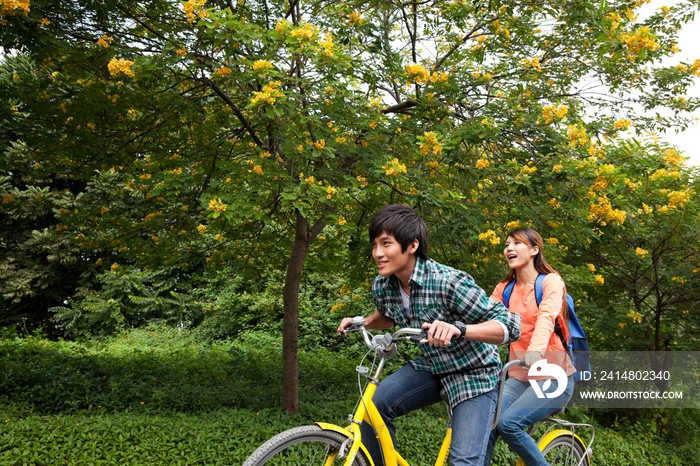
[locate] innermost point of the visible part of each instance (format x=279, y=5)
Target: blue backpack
x=576, y=343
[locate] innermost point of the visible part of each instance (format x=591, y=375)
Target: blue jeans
x=408, y=389
x=519, y=410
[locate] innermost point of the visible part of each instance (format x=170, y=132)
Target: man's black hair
x=404, y=224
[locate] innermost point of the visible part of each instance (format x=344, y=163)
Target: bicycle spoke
x=302, y=446
x=565, y=451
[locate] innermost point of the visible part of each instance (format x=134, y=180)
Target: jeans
x=408, y=389
x=519, y=410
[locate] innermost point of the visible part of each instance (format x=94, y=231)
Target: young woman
x=522, y=406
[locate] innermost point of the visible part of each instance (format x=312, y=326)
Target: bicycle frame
x=384, y=346
x=366, y=411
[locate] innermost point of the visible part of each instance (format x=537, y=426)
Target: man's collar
x=419, y=272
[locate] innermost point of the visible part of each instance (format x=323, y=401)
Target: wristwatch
x=462, y=329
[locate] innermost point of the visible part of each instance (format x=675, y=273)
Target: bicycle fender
x=551, y=435
x=346, y=433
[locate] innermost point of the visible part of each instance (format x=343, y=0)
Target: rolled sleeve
x=479, y=308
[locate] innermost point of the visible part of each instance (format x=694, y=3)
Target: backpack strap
x=538, y=290
x=539, y=281
x=507, y=291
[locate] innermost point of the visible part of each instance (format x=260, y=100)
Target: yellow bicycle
x=329, y=444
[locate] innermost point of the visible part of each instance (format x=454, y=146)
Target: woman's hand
x=440, y=333
x=531, y=357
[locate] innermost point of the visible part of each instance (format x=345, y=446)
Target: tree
x=244, y=131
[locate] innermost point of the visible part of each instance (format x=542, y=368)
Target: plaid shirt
x=438, y=292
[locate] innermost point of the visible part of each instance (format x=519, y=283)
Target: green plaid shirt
x=438, y=292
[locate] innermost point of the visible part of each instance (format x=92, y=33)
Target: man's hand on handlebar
x=344, y=324
x=440, y=333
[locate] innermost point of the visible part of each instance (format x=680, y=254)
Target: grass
x=158, y=396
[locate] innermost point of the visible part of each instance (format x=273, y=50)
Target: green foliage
x=640, y=444
x=129, y=297
x=184, y=141
x=221, y=437
x=237, y=127
x=156, y=369
x=212, y=403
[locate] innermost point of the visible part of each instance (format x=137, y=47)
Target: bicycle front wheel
x=565, y=450
x=303, y=446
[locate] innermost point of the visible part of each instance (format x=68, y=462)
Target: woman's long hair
x=532, y=238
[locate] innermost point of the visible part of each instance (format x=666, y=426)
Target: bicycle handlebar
x=383, y=343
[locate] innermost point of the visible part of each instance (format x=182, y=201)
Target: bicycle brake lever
x=420, y=338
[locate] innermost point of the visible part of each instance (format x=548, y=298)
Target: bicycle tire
x=565, y=450
x=302, y=446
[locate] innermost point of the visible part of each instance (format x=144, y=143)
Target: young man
x=414, y=291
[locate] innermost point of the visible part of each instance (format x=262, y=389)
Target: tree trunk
x=290, y=364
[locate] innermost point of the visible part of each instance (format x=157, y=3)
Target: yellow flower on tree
x=577, y=135
x=267, y=96
x=490, y=236
x=552, y=113
x=192, y=8
x=262, y=65
x=330, y=191
x=622, y=124
x=439, y=77
x=677, y=199
x=636, y=317
x=354, y=19
x=642, y=39
x=12, y=7
x=672, y=157
x=430, y=144
x=306, y=32
x=327, y=44
x=216, y=205
x=417, y=73
x=223, y=71
x=120, y=65
x=641, y=253
x=104, y=40
x=602, y=212
x=482, y=163
x=695, y=67
x=394, y=167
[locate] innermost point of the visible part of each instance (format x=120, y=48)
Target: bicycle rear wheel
x=565, y=450
x=302, y=446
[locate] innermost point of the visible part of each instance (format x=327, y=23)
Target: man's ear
x=413, y=247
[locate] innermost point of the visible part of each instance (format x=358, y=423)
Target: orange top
x=537, y=326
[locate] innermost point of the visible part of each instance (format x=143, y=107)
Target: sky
x=688, y=40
